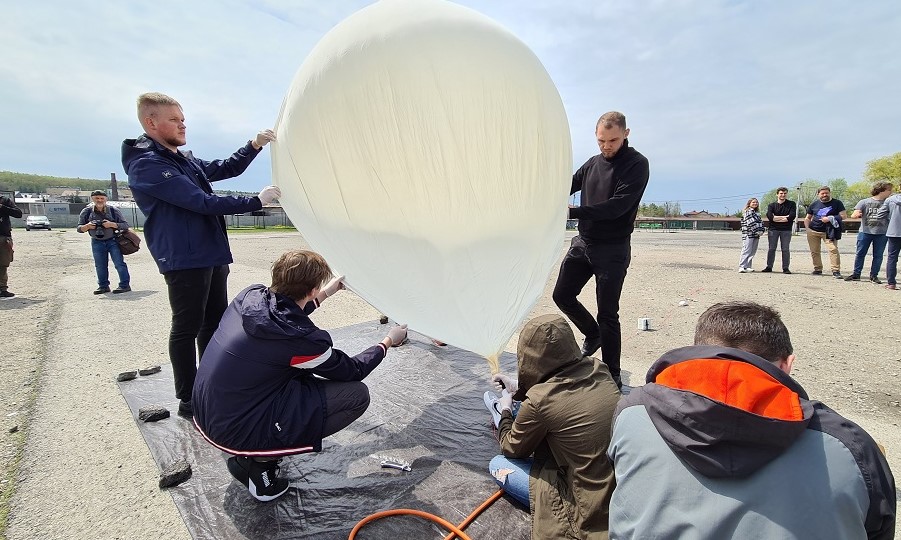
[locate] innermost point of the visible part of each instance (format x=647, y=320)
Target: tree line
x=884, y=169
x=36, y=183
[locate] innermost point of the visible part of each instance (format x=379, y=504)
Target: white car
x=37, y=222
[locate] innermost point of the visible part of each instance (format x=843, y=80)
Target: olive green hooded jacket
x=564, y=420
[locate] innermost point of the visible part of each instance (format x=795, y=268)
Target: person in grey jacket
x=722, y=443
x=893, y=234
x=101, y=222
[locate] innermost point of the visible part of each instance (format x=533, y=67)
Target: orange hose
x=475, y=513
x=407, y=511
x=456, y=531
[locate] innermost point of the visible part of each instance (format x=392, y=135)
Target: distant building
x=702, y=213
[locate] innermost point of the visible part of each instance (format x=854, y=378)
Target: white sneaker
x=749, y=269
x=741, y=270
x=491, y=404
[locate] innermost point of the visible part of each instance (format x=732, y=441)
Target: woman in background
x=751, y=229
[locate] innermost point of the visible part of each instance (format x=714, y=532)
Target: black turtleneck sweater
x=611, y=192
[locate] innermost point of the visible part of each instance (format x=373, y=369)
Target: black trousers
x=608, y=264
x=344, y=403
x=198, y=298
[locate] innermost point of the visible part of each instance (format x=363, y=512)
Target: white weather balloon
x=425, y=152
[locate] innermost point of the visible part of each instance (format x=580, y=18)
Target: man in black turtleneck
x=612, y=184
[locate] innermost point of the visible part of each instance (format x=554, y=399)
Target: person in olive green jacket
x=563, y=423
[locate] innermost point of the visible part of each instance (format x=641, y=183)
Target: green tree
x=671, y=209
x=838, y=187
x=884, y=169
x=856, y=192
x=650, y=210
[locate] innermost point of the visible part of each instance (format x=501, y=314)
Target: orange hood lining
x=734, y=383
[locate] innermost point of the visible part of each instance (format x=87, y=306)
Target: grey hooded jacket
x=721, y=443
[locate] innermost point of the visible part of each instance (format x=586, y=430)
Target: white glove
x=505, y=382
x=397, y=335
x=264, y=137
x=333, y=286
x=269, y=194
x=505, y=402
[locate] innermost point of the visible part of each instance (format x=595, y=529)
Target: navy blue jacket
x=184, y=228
x=255, y=391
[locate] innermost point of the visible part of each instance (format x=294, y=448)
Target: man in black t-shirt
x=781, y=217
x=824, y=222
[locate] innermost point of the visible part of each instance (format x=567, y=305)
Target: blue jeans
x=863, y=245
x=891, y=265
x=103, y=251
x=516, y=482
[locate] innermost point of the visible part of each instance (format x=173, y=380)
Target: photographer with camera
x=101, y=222
x=8, y=209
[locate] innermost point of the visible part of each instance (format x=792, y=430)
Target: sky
x=727, y=99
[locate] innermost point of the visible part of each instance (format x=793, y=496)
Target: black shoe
x=817, y=272
x=6, y=294
x=874, y=279
x=786, y=271
x=852, y=277
x=185, y=409
x=239, y=467
x=767, y=269
x=120, y=290
x=263, y=481
x=591, y=346
x=101, y=290
x=838, y=275
x=618, y=379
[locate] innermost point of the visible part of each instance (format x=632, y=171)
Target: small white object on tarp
x=425, y=152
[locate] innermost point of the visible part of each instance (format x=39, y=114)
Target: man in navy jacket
x=271, y=384
x=184, y=230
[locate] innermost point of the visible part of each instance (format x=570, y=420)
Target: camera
x=98, y=223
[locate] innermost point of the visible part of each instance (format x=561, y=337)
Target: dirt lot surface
x=74, y=464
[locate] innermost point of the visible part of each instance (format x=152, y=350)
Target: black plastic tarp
x=427, y=409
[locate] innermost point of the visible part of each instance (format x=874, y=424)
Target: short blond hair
x=297, y=272
x=610, y=119
x=150, y=101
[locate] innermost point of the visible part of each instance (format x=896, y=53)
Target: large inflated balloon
x=425, y=152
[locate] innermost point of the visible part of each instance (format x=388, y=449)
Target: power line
x=705, y=199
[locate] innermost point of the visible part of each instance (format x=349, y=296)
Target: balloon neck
x=494, y=363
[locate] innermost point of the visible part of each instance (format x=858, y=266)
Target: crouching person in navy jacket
x=270, y=384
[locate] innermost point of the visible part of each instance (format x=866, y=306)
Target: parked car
x=37, y=222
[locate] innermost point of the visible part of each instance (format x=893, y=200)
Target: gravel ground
x=75, y=466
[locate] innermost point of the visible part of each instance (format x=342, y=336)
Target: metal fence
x=63, y=216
